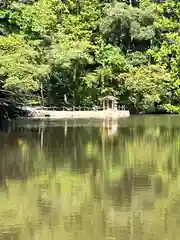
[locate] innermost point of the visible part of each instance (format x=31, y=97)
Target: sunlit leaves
x=18, y=63
x=111, y=56
x=147, y=85
x=124, y=23
x=38, y=18
x=66, y=51
x=111, y=62
x=86, y=49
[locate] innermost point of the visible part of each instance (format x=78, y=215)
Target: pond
x=90, y=179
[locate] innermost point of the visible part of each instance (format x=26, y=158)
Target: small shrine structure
x=109, y=103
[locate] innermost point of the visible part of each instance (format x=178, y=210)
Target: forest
x=81, y=50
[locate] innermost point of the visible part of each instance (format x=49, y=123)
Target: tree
x=146, y=87
x=87, y=49
x=19, y=64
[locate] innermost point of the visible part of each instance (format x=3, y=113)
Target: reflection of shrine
x=109, y=127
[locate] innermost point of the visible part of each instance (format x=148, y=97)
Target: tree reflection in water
x=81, y=180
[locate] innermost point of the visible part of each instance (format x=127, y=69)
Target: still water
x=90, y=180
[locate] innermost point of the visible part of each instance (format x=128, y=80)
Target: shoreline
x=52, y=114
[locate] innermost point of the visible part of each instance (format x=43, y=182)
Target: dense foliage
x=87, y=49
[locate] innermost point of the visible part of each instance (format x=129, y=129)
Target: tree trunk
x=49, y=91
x=74, y=84
x=42, y=95
x=78, y=6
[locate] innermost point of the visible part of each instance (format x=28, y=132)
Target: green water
x=90, y=180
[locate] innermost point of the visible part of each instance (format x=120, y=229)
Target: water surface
x=90, y=179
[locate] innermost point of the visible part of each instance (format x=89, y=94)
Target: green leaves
x=38, y=18
x=19, y=64
x=169, y=53
x=66, y=51
x=146, y=86
x=87, y=49
x=123, y=24
x=108, y=55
